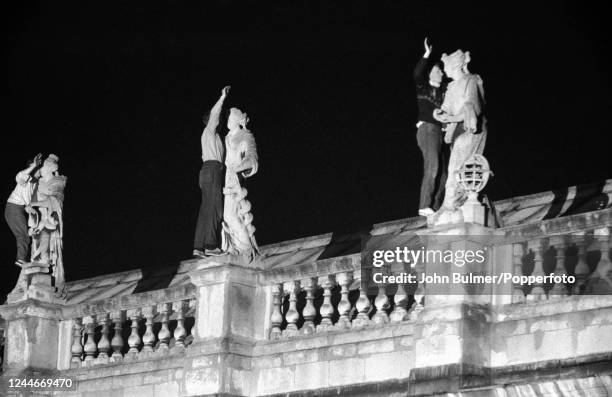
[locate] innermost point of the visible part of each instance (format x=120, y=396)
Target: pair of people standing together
x=224, y=222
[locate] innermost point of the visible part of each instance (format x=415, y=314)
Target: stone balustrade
x=300, y=319
x=330, y=297
x=132, y=334
x=140, y=326
x=579, y=249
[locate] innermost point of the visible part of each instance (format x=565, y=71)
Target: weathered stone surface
x=275, y=380
x=205, y=361
x=267, y=361
x=347, y=371
x=342, y=351
x=138, y=391
x=384, y=366
x=127, y=380
x=380, y=346
x=300, y=357
x=202, y=381
x=312, y=375
x=167, y=389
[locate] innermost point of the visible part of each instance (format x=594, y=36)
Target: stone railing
x=329, y=296
x=293, y=321
x=141, y=326
x=577, y=246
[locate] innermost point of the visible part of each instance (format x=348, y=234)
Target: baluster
x=518, y=252
x=309, y=313
x=559, y=290
x=276, y=319
x=164, y=332
x=581, y=271
x=363, y=306
x=600, y=281
x=604, y=267
x=382, y=304
x=400, y=298
x=77, y=346
x=344, y=306
x=418, y=305
x=134, y=338
x=180, y=332
x=193, y=332
x=292, y=316
x=90, y=344
x=537, y=292
x=148, y=338
x=104, y=345
x=326, y=310
x=117, y=341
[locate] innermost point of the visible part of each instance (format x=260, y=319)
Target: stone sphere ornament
x=473, y=176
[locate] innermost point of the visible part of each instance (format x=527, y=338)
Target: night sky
x=118, y=92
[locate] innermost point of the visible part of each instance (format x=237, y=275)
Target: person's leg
x=442, y=172
x=205, y=180
x=428, y=142
x=213, y=238
x=16, y=219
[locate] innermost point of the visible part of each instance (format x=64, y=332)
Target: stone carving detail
x=45, y=219
x=45, y=226
x=241, y=162
x=466, y=127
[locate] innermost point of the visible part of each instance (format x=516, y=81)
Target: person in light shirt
x=207, y=239
x=14, y=211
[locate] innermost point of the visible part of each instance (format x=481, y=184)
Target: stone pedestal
x=451, y=348
x=452, y=332
x=31, y=335
x=232, y=312
x=473, y=212
x=35, y=282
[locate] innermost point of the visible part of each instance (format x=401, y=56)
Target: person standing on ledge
x=14, y=211
x=207, y=239
x=430, y=94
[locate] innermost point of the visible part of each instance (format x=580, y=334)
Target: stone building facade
x=299, y=322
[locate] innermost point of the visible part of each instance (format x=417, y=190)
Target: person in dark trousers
x=430, y=88
x=212, y=177
x=14, y=211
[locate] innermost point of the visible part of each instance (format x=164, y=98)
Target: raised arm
x=24, y=176
x=419, y=69
x=215, y=112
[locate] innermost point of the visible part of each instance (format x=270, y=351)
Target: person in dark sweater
x=430, y=88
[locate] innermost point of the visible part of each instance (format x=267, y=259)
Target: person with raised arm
x=14, y=211
x=207, y=240
x=430, y=88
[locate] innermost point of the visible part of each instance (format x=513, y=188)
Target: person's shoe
x=198, y=254
x=213, y=252
x=426, y=211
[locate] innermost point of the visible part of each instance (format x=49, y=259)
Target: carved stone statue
x=241, y=162
x=466, y=126
x=45, y=219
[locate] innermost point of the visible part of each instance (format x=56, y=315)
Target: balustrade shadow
x=156, y=278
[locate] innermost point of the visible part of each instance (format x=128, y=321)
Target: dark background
x=118, y=92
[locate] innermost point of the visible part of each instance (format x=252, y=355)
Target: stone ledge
x=470, y=380
x=567, y=305
x=334, y=338
x=135, y=301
